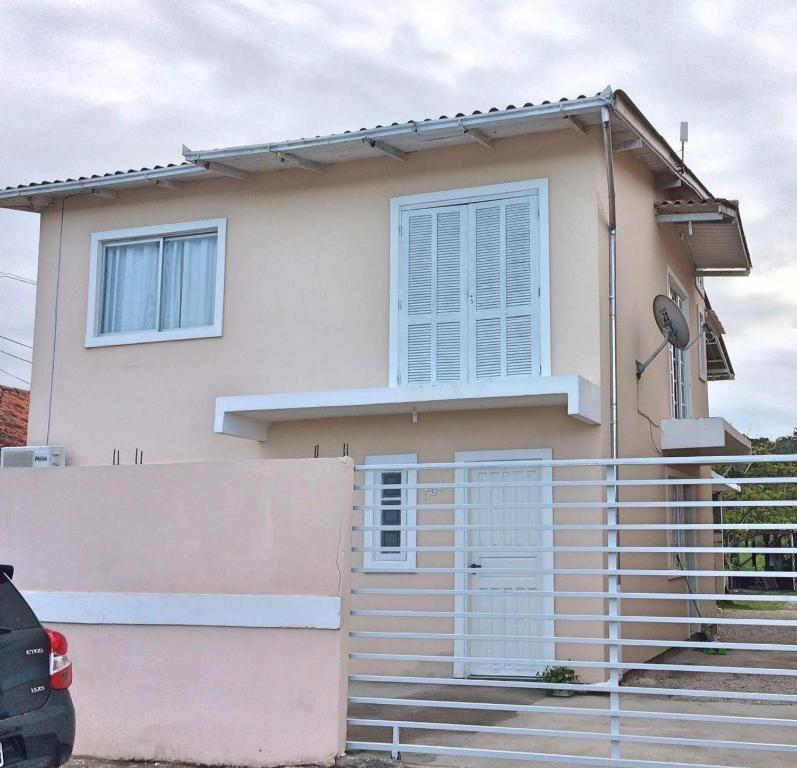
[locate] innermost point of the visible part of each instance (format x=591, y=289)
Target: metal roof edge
x=620, y=104
x=635, y=120
x=87, y=184
x=570, y=107
x=743, y=237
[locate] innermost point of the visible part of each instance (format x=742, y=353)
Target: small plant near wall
x=559, y=675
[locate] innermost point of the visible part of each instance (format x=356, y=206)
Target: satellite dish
x=673, y=326
x=671, y=321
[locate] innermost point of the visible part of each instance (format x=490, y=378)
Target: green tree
x=753, y=514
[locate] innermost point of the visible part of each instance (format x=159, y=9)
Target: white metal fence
x=481, y=588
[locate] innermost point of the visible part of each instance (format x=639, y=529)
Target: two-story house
x=471, y=287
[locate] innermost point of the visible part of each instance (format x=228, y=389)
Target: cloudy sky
x=87, y=87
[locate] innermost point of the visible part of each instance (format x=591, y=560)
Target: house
x=472, y=288
x=13, y=416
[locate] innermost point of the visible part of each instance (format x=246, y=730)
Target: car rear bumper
x=42, y=738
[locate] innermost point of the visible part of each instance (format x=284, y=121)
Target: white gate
x=573, y=612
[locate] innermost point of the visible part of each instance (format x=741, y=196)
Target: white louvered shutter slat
x=450, y=325
x=433, y=320
x=469, y=291
x=522, y=287
x=488, y=260
x=505, y=263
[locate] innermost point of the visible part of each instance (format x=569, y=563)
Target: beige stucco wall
x=306, y=308
x=647, y=254
x=204, y=694
x=306, y=294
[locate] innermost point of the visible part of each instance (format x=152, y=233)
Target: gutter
x=86, y=186
x=607, y=145
x=621, y=106
x=633, y=119
x=565, y=109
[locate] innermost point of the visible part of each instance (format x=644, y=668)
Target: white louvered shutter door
x=434, y=295
x=504, y=276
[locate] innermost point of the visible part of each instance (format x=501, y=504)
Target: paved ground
x=731, y=633
x=95, y=762
x=571, y=721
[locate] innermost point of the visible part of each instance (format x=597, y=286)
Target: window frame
x=676, y=537
x=680, y=538
x=373, y=561
x=99, y=240
x=674, y=286
x=702, y=352
x=461, y=197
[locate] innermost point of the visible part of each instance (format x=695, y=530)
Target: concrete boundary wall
x=204, y=603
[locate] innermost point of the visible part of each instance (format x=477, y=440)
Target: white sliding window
x=130, y=287
x=188, y=281
x=156, y=284
x=680, y=390
x=469, y=290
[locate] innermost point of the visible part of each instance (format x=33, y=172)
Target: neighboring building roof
x=13, y=416
x=631, y=132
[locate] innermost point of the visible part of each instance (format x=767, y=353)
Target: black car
x=37, y=720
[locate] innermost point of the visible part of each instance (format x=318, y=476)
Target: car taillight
x=60, y=665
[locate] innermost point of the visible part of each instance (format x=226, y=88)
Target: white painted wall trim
x=139, y=608
x=580, y=396
x=371, y=560
x=463, y=196
x=98, y=241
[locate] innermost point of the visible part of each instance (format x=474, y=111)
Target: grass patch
x=743, y=605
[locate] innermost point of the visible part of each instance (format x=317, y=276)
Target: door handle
x=474, y=565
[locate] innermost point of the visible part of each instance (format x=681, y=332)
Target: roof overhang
x=249, y=416
x=723, y=484
x=713, y=234
x=42, y=196
x=631, y=133
x=718, y=361
x=711, y=436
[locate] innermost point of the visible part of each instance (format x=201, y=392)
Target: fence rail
x=481, y=590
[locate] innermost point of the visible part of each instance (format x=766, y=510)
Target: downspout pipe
x=607, y=146
x=612, y=519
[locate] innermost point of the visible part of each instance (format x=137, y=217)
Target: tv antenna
x=684, y=139
x=673, y=327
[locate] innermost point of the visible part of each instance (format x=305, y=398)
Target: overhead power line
x=21, y=343
x=16, y=357
x=14, y=376
x=20, y=278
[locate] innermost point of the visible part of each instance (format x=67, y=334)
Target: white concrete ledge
x=249, y=416
x=712, y=434
x=263, y=611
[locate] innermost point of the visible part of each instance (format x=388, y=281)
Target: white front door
x=505, y=627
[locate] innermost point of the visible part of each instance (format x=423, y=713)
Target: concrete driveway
x=591, y=746
x=575, y=745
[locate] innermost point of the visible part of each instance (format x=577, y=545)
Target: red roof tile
x=13, y=416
